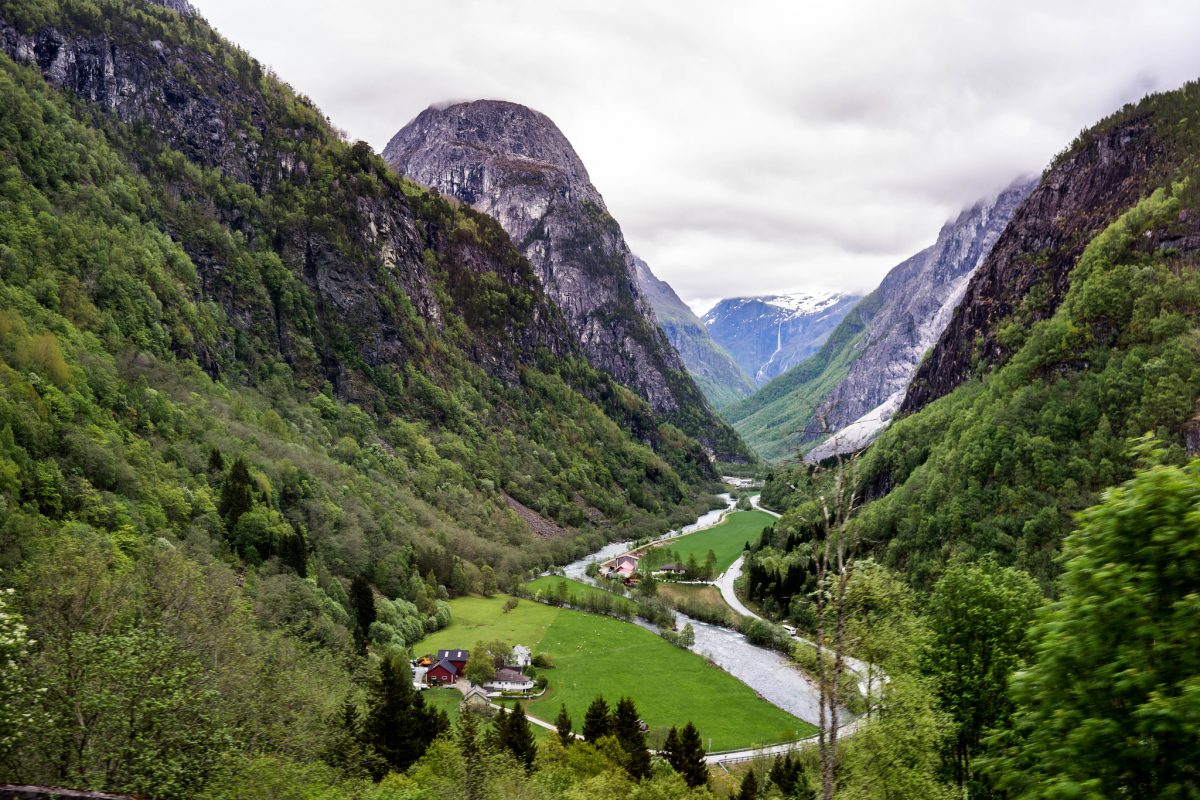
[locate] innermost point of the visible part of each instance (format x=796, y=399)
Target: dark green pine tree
x=785, y=773
x=627, y=727
x=399, y=726
x=596, y=722
x=562, y=724
x=475, y=776
x=344, y=749
x=749, y=790
x=293, y=551
x=362, y=605
x=670, y=750
x=216, y=462
x=691, y=757
x=517, y=737
x=237, y=493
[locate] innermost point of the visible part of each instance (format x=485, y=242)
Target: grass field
x=575, y=589
x=598, y=655
x=674, y=592
x=726, y=540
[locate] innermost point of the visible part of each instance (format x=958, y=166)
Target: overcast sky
x=751, y=147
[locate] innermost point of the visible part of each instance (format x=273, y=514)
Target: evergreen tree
x=670, y=750
x=293, y=551
x=563, y=725
x=474, y=763
x=399, y=726
x=517, y=737
x=691, y=757
x=596, y=722
x=362, y=603
x=237, y=493
x=749, y=789
x=216, y=462
x=345, y=747
x=785, y=774
x=627, y=727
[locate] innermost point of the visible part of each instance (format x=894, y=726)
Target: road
x=867, y=674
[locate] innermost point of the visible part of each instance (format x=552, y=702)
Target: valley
x=301, y=433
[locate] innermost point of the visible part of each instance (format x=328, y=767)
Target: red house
x=449, y=666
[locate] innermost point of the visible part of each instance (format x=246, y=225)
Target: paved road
x=865, y=672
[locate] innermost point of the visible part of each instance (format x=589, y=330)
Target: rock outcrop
x=917, y=300
x=514, y=164
x=711, y=366
x=1078, y=197
x=769, y=335
x=854, y=384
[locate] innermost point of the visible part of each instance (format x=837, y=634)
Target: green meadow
x=726, y=540
x=596, y=655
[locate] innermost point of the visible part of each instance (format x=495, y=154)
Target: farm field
x=675, y=592
x=597, y=655
x=726, y=540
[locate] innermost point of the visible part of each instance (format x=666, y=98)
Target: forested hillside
x=1001, y=464
x=242, y=364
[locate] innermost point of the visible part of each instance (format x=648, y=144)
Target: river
x=771, y=674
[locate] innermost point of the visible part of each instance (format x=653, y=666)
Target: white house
x=510, y=680
x=522, y=656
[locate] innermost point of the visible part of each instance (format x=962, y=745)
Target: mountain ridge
x=513, y=163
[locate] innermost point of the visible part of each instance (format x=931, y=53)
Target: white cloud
x=753, y=148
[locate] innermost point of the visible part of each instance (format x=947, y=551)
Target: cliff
x=515, y=165
x=714, y=370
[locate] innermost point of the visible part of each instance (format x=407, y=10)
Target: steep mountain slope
x=1099, y=176
x=1000, y=464
x=514, y=164
x=767, y=336
x=855, y=383
x=713, y=369
x=194, y=262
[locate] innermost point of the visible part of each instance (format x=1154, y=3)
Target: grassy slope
x=599, y=655
x=726, y=540
x=776, y=421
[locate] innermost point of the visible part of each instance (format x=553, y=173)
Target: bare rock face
x=907, y=313
x=515, y=165
x=1077, y=198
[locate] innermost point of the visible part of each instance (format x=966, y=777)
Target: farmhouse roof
x=510, y=675
x=447, y=665
x=453, y=655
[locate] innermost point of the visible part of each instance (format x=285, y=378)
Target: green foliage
x=980, y=615
x=597, y=722
x=1108, y=707
x=562, y=725
x=1000, y=465
x=684, y=751
x=398, y=726
x=15, y=695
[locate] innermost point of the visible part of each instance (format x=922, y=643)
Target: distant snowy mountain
x=769, y=335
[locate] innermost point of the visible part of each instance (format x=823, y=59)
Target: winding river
x=772, y=675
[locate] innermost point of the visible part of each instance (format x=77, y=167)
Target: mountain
x=854, y=385
x=1074, y=339
x=198, y=271
x=769, y=335
x=515, y=165
x=714, y=370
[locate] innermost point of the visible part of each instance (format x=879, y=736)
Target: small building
x=474, y=698
x=672, y=569
x=510, y=680
x=522, y=656
x=456, y=657
x=443, y=673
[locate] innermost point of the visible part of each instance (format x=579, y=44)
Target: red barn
x=450, y=665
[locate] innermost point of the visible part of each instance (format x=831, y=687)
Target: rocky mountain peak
x=514, y=164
